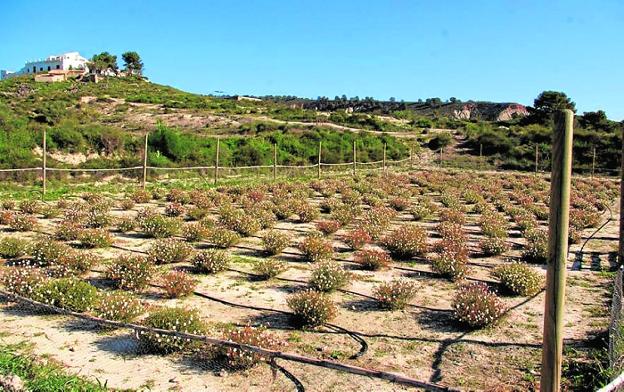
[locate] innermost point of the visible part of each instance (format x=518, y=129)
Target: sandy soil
x=421, y=341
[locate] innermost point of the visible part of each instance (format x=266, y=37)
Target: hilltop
x=102, y=125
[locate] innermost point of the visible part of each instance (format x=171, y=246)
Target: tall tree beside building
x=133, y=63
x=102, y=63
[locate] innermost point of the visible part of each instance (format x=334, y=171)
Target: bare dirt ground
x=421, y=341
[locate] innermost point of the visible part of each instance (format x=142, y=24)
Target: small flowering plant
x=67, y=293
x=130, y=272
x=274, y=242
x=373, y=259
x=328, y=227
x=173, y=319
x=22, y=280
x=475, y=306
x=357, y=238
x=239, y=358
x=223, y=238
x=211, y=261
x=316, y=248
x=311, y=308
x=174, y=209
x=396, y=294
x=95, y=238
x=23, y=222
x=328, y=276
x=168, y=251
x=118, y=306
x=269, y=268
x=406, y=242
x=13, y=247
x=178, y=284
x=519, y=279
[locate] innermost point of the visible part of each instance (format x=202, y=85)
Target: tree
x=132, y=62
x=548, y=102
x=102, y=63
x=596, y=120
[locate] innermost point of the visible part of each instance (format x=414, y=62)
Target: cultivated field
x=434, y=275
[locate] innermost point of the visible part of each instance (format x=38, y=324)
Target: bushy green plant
x=328, y=276
x=29, y=206
x=130, y=272
x=211, y=261
x=372, y=259
x=315, y=248
x=491, y=246
x=95, y=238
x=311, y=308
x=519, y=279
x=13, y=247
x=178, y=284
x=67, y=293
x=395, y=294
x=406, y=242
x=269, y=268
x=23, y=222
x=536, y=247
x=254, y=336
x=174, y=319
x=21, y=280
x=274, y=242
x=159, y=226
x=118, y=306
x=223, y=238
x=168, y=250
x=194, y=232
x=475, y=306
x=125, y=224
x=68, y=230
x=46, y=251
x=306, y=212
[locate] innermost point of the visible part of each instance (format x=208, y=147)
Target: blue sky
x=484, y=50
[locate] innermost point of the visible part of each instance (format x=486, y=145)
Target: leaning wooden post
x=552, y=347
x=384, y=158
x=44, y=171
x=319, y=160
x=274, y=161
x=145, y=161
x=354, y=159
x=216, y=169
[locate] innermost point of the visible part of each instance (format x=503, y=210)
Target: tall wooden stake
x=145, y=161
x=319, y=159
x=411, y=159
x=593, y=162
x=441, y=156
x=481, y=155
x=552, y=347
x=536, y=159
x=384, y=158
x=354, y=159
x=216, y=171
x=44, y=171
x=274, y=161
x=621, y=244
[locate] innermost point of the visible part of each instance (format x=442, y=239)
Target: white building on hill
x=65, y=62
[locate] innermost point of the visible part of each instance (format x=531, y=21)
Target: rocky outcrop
x=488, y=111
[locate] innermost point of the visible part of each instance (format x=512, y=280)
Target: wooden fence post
x=441, y=148
x=274, y=161
x=557, y=251
x=319, y=159
x=593, y=162
x=354, y=160
x=384, y=158
x=216, y=171
x=536, y=159
x=481, y=165
x=44, y=171
x=145, y=161
x=411, y=159
x=621, y=243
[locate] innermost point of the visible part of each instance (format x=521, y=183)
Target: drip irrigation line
x=394, y=377
x=598, y=229
x=298, y=385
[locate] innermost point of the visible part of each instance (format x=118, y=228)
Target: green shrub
x=126, y=224
x=406, y=242
x=306, y=212
x=173, y=319
x=316, y=248
x=46, y=251
x=491, y=246
x=536, y=247
x=13, y=247
x=244, y=359
x=118, y=306
x=519, y=279
x=158, y=226
x=274, y=242
x=311, y=308
x=211, y=261
x=194, y=232
x=475, y=306
x=67, y=293
x=23, y=222
x=269, y=268
x=95, y=238
x=130, y=272
x=178, y=284
x=29, y=206
x=328, y=276
x=168, y=251
x=223, y=238
x=372, y=259
x=395, y=294
x=22, y=280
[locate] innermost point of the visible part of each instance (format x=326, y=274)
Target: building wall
x=65, y=61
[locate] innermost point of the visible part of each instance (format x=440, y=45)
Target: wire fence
x=616, y=334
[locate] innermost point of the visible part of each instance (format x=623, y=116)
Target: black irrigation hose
x=298, y=385
x=598, y=229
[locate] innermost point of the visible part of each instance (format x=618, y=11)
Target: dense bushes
x=406, y=242
x=174, y=319
x=311, y=308
x=130, y=272
x=519, y=279
x=395, y=294
x=475, y=306
x=329, y=276
x=66, y=293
